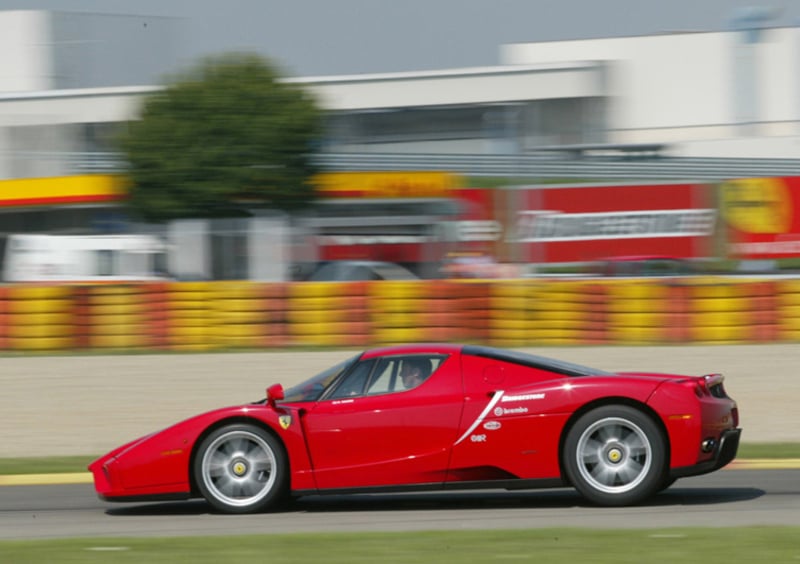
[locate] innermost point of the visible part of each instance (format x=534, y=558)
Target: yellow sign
x=385, y=184
x=757, y=205
x=285, y=421
x=85, y=189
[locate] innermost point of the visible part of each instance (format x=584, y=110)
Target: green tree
x=224, y=138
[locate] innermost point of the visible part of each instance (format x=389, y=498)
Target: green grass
x=48, y=465
x=706, y=545
x=58, y=464
x=769, y=450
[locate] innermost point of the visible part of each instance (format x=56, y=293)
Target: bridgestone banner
x=556, y=226
x=563, y=224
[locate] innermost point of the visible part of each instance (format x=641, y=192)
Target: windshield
x=313, y=388
x=393, y=272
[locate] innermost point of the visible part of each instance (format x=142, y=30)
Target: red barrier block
x=82, y=316
x=4, y=319
x=678, y=319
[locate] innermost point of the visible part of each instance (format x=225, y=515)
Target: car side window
x=401, y=373
x=384, y=377
x=353, y=383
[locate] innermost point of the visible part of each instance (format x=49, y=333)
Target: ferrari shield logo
x=285, y=421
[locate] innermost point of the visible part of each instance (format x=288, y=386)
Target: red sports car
x=438, y=417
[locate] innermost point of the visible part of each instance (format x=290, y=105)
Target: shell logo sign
x=84, y=189
x=757, y=205
x=760, y=216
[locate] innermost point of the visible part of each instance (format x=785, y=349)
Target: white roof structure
x=459, y=87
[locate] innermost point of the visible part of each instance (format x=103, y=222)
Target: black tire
x=615, y=455
x=241, y=469
x=666, y=483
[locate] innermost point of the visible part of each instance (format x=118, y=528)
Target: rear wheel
x=241, y=469
x=615, y=455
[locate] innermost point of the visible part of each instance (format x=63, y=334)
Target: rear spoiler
x=713, y=379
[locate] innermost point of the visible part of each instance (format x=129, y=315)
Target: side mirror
x=274, y=393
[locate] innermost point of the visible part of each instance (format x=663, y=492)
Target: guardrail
x=547, y=167
x=533, y=166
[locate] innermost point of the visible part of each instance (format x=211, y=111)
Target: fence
x=554, y=165
x=199, y=316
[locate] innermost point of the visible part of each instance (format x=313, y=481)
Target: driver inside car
x=414, y=372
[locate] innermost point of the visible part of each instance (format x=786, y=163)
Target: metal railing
x=534, y=166
x=547, y=167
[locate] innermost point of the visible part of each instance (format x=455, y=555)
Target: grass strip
x=45, y=465
x=768, y=450
x=706, y=545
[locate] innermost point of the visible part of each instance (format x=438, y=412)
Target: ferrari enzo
x=437, y=417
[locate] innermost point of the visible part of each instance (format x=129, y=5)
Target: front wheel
x=241, y=469
x=615, y=455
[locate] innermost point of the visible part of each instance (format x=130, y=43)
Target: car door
x=370, y=431
x=506, y=434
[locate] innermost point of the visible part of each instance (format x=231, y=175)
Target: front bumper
x=108, y=485
x=725, y=452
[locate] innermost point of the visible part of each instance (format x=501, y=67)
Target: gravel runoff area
x=76, y=405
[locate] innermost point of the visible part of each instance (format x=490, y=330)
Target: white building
x=66, y=84
x=726, y=94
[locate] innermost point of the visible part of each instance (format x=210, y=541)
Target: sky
x=338, y=37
